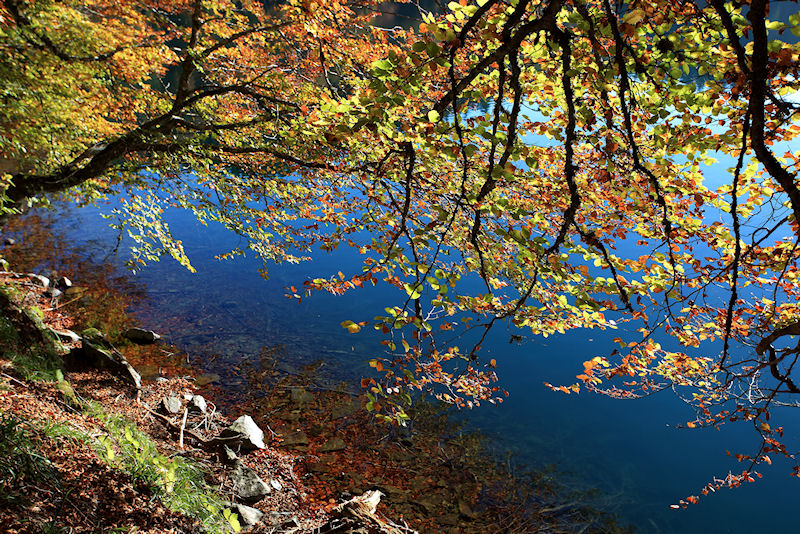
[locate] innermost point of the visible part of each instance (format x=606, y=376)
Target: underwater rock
x=333, y=444
x=141, y=336
x=75, y=291
x=206, y=378
x=295, y=439
x=300, y=396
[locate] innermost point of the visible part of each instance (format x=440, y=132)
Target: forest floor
x=82, y=450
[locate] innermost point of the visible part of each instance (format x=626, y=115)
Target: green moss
x=25, y=340
x=93, y=334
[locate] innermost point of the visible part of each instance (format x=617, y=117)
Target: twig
x=23, y=384
x=64, y=303
x=191, y=433
x=183, y=427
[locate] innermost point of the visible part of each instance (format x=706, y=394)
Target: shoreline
x=338, y=452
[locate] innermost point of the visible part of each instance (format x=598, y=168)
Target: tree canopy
x=548, y=164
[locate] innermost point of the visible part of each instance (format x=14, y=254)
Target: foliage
x=539, y=163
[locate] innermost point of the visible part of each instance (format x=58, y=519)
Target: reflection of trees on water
x=103, y=294
x=45, y=243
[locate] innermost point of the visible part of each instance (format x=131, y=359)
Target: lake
x=632, y=451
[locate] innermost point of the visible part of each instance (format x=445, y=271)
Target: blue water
x=631, y=451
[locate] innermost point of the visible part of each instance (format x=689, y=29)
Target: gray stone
x=141, y=336
x=295, y=439
x=244, y=432
x=53, y=293
x=247, y=484
x=228, y=454
x=38, y=279
x=277, y=486
x=198, y=404
x=104, y=356
x=171, y=404
x=63, y=282
x=300, y=396
x=333, y=444
x=248, y=516
x=9, y=241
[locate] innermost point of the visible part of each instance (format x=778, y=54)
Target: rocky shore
x=52, y=375
x=297, y=456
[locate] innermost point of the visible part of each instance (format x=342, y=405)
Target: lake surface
x=631, y=451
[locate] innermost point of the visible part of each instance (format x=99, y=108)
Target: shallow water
x=631, y=451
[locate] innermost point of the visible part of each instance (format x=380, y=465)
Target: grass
x=22, y=467
x=178, y=483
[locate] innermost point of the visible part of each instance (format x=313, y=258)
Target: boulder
x=244, y=432
x=198, y=404
x=141, y=336
x=62, y=282
x=248, y=516
x=40, y=280
x=247, y=484
x=171, y=405
x=95, y=350
x=67, y=336
x=96, y=336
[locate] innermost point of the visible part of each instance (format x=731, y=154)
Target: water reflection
x=226, y=315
